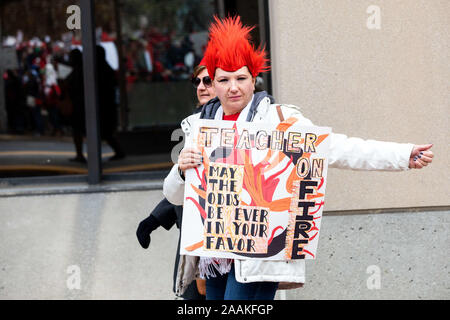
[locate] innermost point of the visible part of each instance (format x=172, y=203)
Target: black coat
x=167, y=215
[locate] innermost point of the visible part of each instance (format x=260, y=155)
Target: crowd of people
x=33, y=96
x=44, y=95
x=158, y=56
x=36, y=101
x=44, y=91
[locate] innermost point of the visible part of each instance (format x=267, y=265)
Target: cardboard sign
x=259, y=192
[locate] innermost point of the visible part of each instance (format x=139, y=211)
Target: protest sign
x=258, y=194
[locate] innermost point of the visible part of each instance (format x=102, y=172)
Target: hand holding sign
x=189, y=158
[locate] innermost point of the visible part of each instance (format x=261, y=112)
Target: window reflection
x=147, y=50
x=163, y=42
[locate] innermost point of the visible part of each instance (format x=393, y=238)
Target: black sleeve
x=165, y=214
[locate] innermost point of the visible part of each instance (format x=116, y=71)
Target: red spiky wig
x=230, y=48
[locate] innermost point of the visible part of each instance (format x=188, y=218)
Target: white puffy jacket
x=345, y=153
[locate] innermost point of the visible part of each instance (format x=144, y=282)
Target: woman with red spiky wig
x=233, y=64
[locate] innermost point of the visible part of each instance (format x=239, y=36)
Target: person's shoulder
x=288, y=110
x=267, y=109
x=186, y=123
x=289, y=107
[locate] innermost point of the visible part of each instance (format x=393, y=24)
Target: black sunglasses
x=207, y=82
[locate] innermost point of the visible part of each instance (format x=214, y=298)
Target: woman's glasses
x=207, y=82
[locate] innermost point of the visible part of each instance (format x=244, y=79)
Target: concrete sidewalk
x=51, y=243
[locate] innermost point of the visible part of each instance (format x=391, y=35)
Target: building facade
x=370, y=70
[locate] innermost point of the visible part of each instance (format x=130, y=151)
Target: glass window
x=37, y=109
x=146, y=53
x=163, y=41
